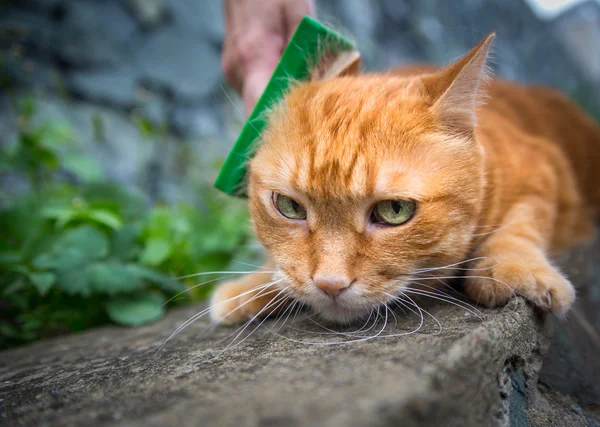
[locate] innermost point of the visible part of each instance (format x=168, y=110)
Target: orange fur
x=499, y=171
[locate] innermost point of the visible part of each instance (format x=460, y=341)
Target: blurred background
x=115, y=116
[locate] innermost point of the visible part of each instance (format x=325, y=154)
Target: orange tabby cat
x=365, y=185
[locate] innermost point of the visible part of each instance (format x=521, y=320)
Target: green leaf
x=42, y=281
x=84, y=168
x=114, y=277
x=158, y=223
x=10, y=258
x=132, y=203
x=74, y=248
x=53, y=135
x=156, y=251
x=60, y=213
x=125, y=242
x=9, y=331
x=15, y=286
x=105, y=217
x=165, y=282
x=136, y=310
x=76, y=282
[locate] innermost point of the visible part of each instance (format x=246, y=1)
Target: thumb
x=258, y=73
x=254, y=85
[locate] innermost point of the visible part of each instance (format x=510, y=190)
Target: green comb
x=311, y=44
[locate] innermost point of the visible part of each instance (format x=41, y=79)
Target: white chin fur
x=339, y=314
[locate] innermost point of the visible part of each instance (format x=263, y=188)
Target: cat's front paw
x=493, y=283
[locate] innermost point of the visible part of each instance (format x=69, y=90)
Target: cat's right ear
x=337, y=65
x=456, y=90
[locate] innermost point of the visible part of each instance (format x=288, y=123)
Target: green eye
x=289, y=208
x=393, y=212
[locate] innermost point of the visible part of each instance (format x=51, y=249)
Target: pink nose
x=332, y=286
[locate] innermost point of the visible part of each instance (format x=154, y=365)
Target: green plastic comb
x=306, y=49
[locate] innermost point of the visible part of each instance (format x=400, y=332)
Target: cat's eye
x=288, y=207
x=393, y=212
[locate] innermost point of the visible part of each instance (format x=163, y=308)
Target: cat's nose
x=332, y=286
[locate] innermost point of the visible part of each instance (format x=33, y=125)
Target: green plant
x=78, y=251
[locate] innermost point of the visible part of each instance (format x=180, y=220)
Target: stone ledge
x=461, y=376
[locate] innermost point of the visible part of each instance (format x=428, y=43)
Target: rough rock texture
x=462, y=376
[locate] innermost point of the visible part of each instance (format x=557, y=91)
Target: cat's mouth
x=353, y=304
x=343, y=309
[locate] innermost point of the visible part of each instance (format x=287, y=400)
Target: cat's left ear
x=456, y=89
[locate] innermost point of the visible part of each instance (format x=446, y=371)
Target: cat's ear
x=345, y=63
x=456, y=90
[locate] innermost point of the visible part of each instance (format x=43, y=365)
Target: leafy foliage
x=78, y=251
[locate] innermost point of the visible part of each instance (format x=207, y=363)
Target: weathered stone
x=186, y=65
x=95, y=33
x=105, y=135
x=113, y=86
x=37, y=76
x=46, y=6
x=201, y=120
x=154, y=108
x=425, y=378
x=29, y=31
x=148, y=12
x=578, y=30
x=396, y=10
x=455, y=377
x=204, y=18
x=572, y=365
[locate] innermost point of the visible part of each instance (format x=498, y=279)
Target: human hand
x=257, y=32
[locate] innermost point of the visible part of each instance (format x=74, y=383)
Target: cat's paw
x=234, y=302
x=493, y=283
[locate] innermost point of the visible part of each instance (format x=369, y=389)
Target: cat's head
x=361, y=181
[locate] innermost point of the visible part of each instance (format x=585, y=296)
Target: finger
x=255, y=83
x=294, y=11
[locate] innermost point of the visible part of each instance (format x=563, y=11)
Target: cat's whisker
x=241, y=305
x=187, y=290
x=513, y=293
x=423, y=270
x=493, y=231
x=260, y=267
x=259, y=294
x=426, y=312
x=457, y=269
x=431, y=295
x=361, y=338
x=290, y=308
x=262, y=310
x=333, y=332
x=208, y=309
x=395, y=317
x=471, y=277
x=446, y=298
x=399, y=299
x=272, y=303
x=446, y=285
x=206, y=273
